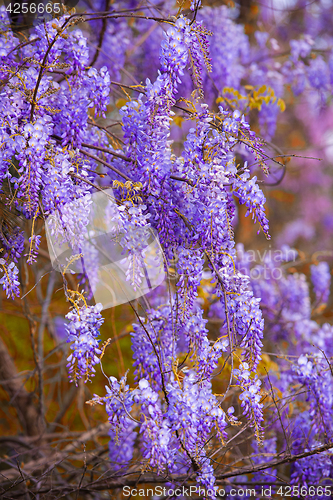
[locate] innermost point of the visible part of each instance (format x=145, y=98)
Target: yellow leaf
x=254, y=104
x=267, y=363
x=262, y=89
x=229, y=90
x=121, y=102
x=281, y=104
x=278, y=392
x=178, y=120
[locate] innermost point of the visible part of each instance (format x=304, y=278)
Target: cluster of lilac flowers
x=153, y=346
x=12, y=241
x=286, y=305
x=9, y=279
x=190, y=264
x=83, y=333
x=250, y=397
x=314, y=468
x=251, y=195
x=321, y=279
x=33, y=249
x=316, y=377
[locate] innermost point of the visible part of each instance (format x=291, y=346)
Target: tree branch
x=21, y=399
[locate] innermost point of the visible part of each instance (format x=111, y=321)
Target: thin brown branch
x=113, y=483
x=279, y=414
x=106, y=150
x=43, y=67
x=38, y=465
x=101, y=35
x=21, y=45
x=108, y=165
x=21, y=399
x=105, y=129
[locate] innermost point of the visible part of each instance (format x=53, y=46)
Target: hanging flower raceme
x=251, y=397
x=83, y=332
x=146, y=124
x=193, y=412
x=12, y=241
x=321, y=279
x=153, y=346
x=155, y=431
x=189, y=267
x=249, y=193
x=314, y=468
x=316, y=377
x=9, y=279
x=34, y=242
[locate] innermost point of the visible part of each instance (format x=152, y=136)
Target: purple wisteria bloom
x=321, y=279
x=83, y=332
x=9, y=279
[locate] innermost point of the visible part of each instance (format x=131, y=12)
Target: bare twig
x=101, y=35
x=108, y=165
x=21, y=399
x=105, y=150
x=279, y=414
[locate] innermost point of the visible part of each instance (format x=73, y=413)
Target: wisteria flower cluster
x=83, y=333
x=196, y=389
